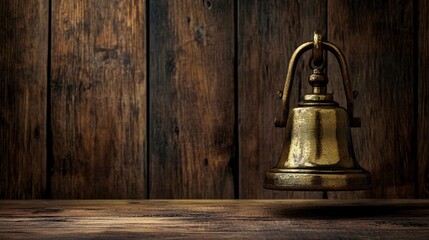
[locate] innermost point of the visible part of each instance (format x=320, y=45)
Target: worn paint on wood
x=379, y=50
x=199, y=219
x=269, y=32
x=191, y=99
x=23, y=94
x=423, y=99
x=98, y=102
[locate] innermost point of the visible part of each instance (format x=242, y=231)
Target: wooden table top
x=214, y=219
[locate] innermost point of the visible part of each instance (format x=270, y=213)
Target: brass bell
x=318, y=151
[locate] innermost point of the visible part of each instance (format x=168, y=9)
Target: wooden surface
x=98, y=99
x=379, y=51
x=191, y=99
x=268, y=34
x=23, y=96
x=209, y=219
x=423, y=99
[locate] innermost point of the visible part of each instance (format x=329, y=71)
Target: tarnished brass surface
x=340, y=180
x=318, y=151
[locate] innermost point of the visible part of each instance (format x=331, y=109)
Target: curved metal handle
x=350, y=95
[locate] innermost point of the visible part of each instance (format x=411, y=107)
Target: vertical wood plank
x=191, y=99
x=23, y=88
x=423, y=99
x=269, y=32
x=98, y=99
x=377, y=40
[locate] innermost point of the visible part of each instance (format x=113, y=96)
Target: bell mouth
x=317, y=180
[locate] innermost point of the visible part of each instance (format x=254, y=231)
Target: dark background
x=176, y=99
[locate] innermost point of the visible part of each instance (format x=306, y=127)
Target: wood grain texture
x=226, y=219
x=23, y=88
x=377, y=40
x=269, y=32
x=191, y=99
x=98, y=103
x=423, y=100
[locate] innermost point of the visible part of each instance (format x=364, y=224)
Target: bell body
x=318, y=152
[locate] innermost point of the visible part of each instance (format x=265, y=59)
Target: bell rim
x=318, y=180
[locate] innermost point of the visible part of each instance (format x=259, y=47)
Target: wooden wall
x=176, y=99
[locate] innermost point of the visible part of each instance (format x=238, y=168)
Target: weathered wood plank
x=23, y=93
x=423, y=100
x=98, y=99
x=269, y=32
x=191, y=99
x=231, y=219
x=377, y=40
